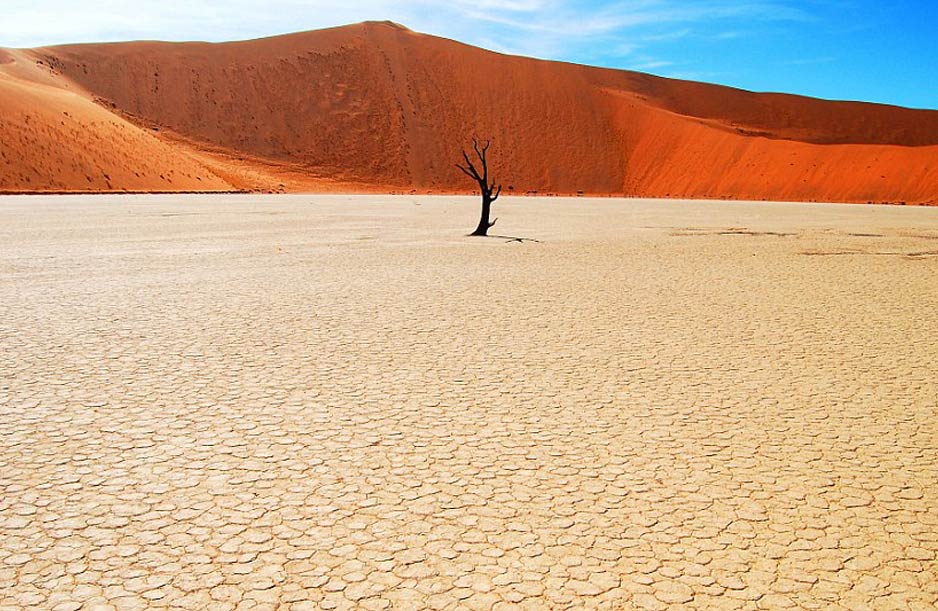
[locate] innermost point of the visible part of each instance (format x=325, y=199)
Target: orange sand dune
x=54, y=139
x=377, y=106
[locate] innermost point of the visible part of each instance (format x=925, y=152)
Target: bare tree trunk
x=484, y=224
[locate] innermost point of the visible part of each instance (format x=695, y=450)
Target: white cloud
x=559, y=29
x=653, y=64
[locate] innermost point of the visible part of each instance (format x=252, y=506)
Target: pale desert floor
x=301, y=402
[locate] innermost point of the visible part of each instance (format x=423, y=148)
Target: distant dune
x=375, y=106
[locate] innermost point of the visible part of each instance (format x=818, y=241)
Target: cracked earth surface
x=248, y=402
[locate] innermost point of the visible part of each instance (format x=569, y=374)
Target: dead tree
x=490, y=191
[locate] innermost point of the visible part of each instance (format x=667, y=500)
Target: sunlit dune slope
x=53, y=139
x=378, y=105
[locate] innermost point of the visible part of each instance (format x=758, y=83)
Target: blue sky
x=873, y=50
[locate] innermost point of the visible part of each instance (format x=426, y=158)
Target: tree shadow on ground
x=509, y=238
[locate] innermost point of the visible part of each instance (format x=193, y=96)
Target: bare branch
x=465, y=171
x=465, y=156
x=483, y=156
x=498, y=191
x=492, y=224
x=480, y=153
x=470, y=168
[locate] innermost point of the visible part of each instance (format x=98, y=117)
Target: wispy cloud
x=652, y=64
x=573, y=20
x=738, y=41
x=808, y=61
x=520, y=24
x=636, y=34
x=731, y=35
x=667, y=36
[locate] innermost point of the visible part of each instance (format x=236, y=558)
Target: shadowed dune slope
x=377, y=104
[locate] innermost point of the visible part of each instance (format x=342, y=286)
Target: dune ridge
x=375, y=106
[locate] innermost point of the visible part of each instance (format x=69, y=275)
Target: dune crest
x=375, y=106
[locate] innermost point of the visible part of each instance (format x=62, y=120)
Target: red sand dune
x=54, y=139
x=376, y=106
